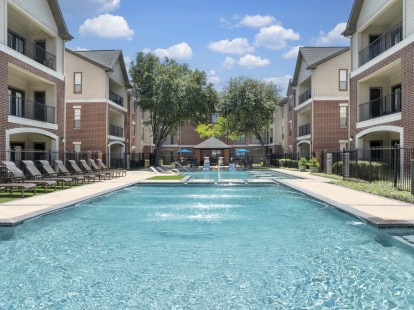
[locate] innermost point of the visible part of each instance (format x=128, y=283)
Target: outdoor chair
x=95, y=167
x=18, y=176
x=35, y=174
x=50, y=173
x=22, y=187
x=162, y=170
x=105, y=168
x=78, y=171
x=86, y=168
x=63, y=171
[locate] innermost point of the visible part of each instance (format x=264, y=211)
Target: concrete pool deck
x=378, y=211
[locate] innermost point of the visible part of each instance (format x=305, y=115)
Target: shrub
x=288, y=163
x=303, y=161
x=378, y=169
x=313, y=162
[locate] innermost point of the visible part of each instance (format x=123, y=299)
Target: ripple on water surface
x=201, y=247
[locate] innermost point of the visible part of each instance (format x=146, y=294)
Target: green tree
x=248, y=105
x=171, y=93
x=219, y=129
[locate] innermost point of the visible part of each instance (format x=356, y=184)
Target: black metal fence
x=388, y=165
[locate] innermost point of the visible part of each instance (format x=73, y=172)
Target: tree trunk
x=156, y=156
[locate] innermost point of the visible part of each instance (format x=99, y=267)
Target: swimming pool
x=260, y=247
x=238, y=174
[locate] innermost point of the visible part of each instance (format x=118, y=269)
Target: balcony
x=32, y=50
x=389, y=104
x=305, y=96
x=31, y=110
x=116, y=131
x=116, y=98
x=380, y=45
x=304, y=130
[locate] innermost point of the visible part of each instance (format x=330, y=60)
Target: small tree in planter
x=313, y=165
x=302, y=164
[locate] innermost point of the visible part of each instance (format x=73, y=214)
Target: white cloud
x=257, y=21
x=275, y=37
x=235, y=46
x=213, y=78
x=146, y=50
x=228, y=63
x=292, y=52
x=282, y=81
x=178, y=51
x=333, y=37
x=127, y=61
x=250, y=61
x=108, y=5
x=78, y=48
x=107, y=26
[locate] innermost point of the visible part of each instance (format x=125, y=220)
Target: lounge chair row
x=51, y=178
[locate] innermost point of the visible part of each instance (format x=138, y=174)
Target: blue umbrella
x=242, y=151
x=183, y=151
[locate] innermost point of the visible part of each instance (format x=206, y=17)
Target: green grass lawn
x=376, y=188
x=166, y=177
x=6, y=196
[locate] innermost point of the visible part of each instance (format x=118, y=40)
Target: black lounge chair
x=18, y=176
x=22, y=187
x=63, y=171
x=37, y=175
x=76, y=170
x=95, y=167
x=86, y=168
x=122, y=172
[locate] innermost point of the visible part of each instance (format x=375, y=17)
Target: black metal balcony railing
x=116, y=98
x=304, y=130
x=116, y=131
x=31, y=110
x=379, y=107
x=31, y=50
x=305, y=96
x=380, y=45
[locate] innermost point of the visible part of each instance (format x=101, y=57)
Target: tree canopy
x=172, y=93
x=219, y=129
x=248, y=105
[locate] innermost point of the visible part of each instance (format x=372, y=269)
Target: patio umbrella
x=242, y=151
x=184, y=151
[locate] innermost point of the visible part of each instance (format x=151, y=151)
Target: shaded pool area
x=152, y=247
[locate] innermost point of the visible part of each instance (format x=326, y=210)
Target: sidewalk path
x=379, y=211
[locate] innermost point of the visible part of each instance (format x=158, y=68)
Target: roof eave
x=63, y=31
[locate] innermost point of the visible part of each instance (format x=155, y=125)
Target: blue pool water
x=240, y=174
x=183, y=247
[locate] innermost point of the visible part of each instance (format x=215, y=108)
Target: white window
x=77, y=147
x=214, y=117
x=343, y=79
x=134, y=129
x=76, y=118
x=343, y=116
x=77, y=81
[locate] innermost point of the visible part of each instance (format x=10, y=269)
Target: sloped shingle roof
x=212, y=144
x=314, y=56
x=106, y=58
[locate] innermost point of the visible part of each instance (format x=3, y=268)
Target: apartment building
x=98, y=104
x=32, y=92
x=381, y=83
x=318, y=100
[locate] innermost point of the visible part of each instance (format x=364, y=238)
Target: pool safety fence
x=385, y=165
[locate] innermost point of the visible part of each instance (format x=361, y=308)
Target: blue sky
x=225, y=38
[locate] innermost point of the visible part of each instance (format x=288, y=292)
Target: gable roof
x=353, y=18
x=212, y=144
x=106, y=59
x=60, y=21
x=314, y=56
